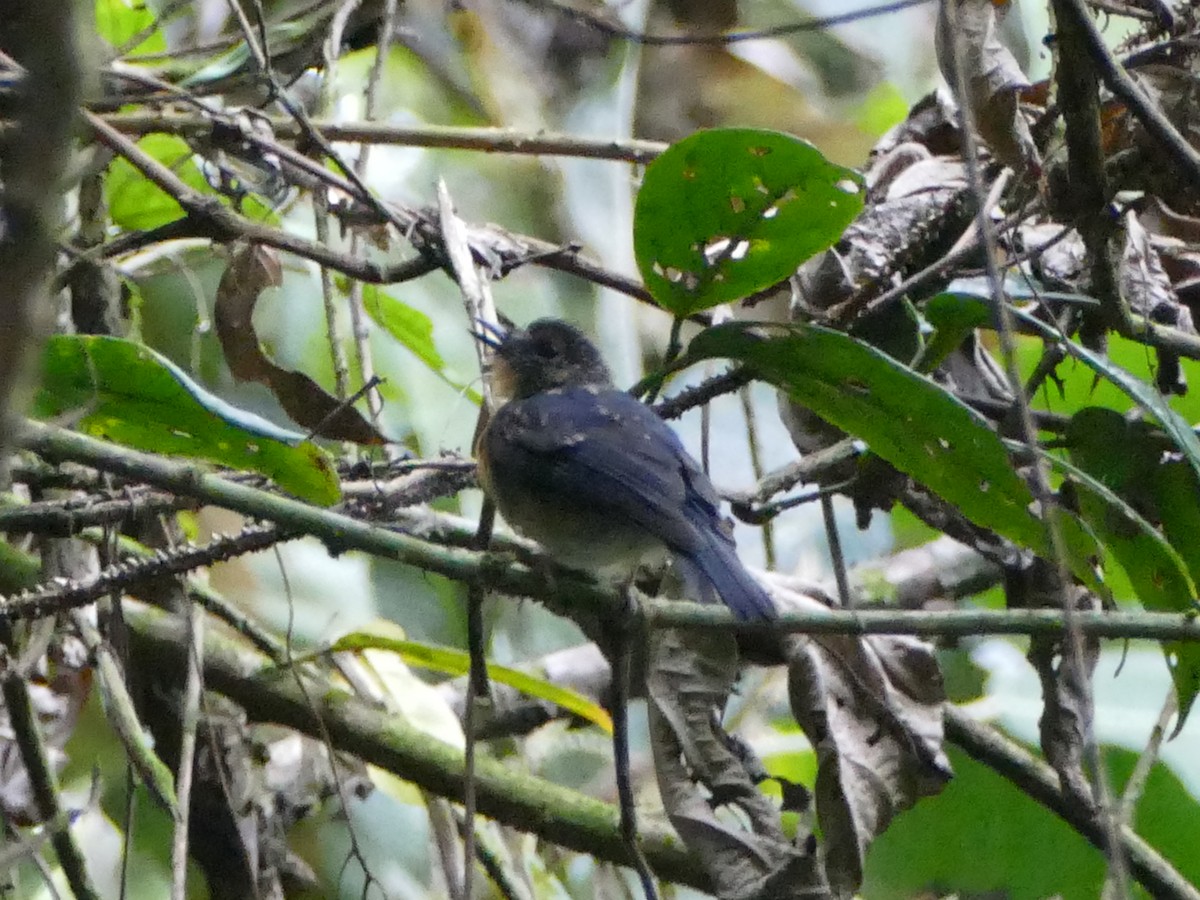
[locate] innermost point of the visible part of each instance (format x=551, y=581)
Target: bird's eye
x=545, y=350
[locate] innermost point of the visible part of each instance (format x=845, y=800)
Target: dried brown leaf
x=251, y=271
x=993, y=79
x=689, y=677
x=1147, y=288
x=872, y=709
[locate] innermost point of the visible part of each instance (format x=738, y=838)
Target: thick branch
x=562, y=590
x=381, y=738
x=40, y=38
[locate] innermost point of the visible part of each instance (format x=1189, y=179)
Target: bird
x=595, y=477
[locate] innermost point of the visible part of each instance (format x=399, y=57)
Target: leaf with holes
x=728, y=212
x=127, y=393
x=905, y=418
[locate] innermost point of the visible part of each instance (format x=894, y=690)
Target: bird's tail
x=712, y=571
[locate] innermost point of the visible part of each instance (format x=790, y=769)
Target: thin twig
x=728, y=37
x=623, y=649
x=359, y=331
x=337, y=353
x=756, y=466
x=190, y=722
x=1149, y=756
x=836, y=556
x=481, y=312
x=483, y=140
x=70, y=516
x=61, y=595
x=321, y=730
x=27, y=734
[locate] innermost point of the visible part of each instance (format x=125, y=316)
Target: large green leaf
x=983, y=837
x=905, y=418
x=728, y=212
x=127, y=393
x=1140, y=392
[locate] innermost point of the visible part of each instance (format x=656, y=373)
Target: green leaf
x=1177, y=495
x=952, y=319
x=127, y=393
x=219, y=67
x=19, y=569
x=728, y=212
x=411, y=327
x=457, y=662
x=408, y=325
x=137, y=203
x=1140, y=392
x=119, y=710
x=905, y=418
x=119, y=21
x=982, y=836
x=1124, y=457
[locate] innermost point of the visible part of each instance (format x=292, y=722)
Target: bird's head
x=546, y=354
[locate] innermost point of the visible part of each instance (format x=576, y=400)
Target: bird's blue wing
x=605, y=453
x=606, y=450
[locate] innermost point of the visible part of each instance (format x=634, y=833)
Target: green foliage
x=728, y=212
x=882, y=108
x=1119, y=479
x=721, y=215
x=1125, y=456
x=118, y=22
x=983, y=835
x=125, y=392
x=411, y=327
x=905, y=418
x=1141, y=392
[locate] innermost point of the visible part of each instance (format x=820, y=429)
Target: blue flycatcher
x=596, y=478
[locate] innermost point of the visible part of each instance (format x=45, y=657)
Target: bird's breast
x=577, y=535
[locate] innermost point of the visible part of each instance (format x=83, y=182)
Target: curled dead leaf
x=252, y=270
x=689, y=676
x=967, y=40
x=872, y=709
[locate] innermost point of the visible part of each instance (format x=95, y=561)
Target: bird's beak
x=489, y=333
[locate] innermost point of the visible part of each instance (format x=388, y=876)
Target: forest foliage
x=931, y=334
